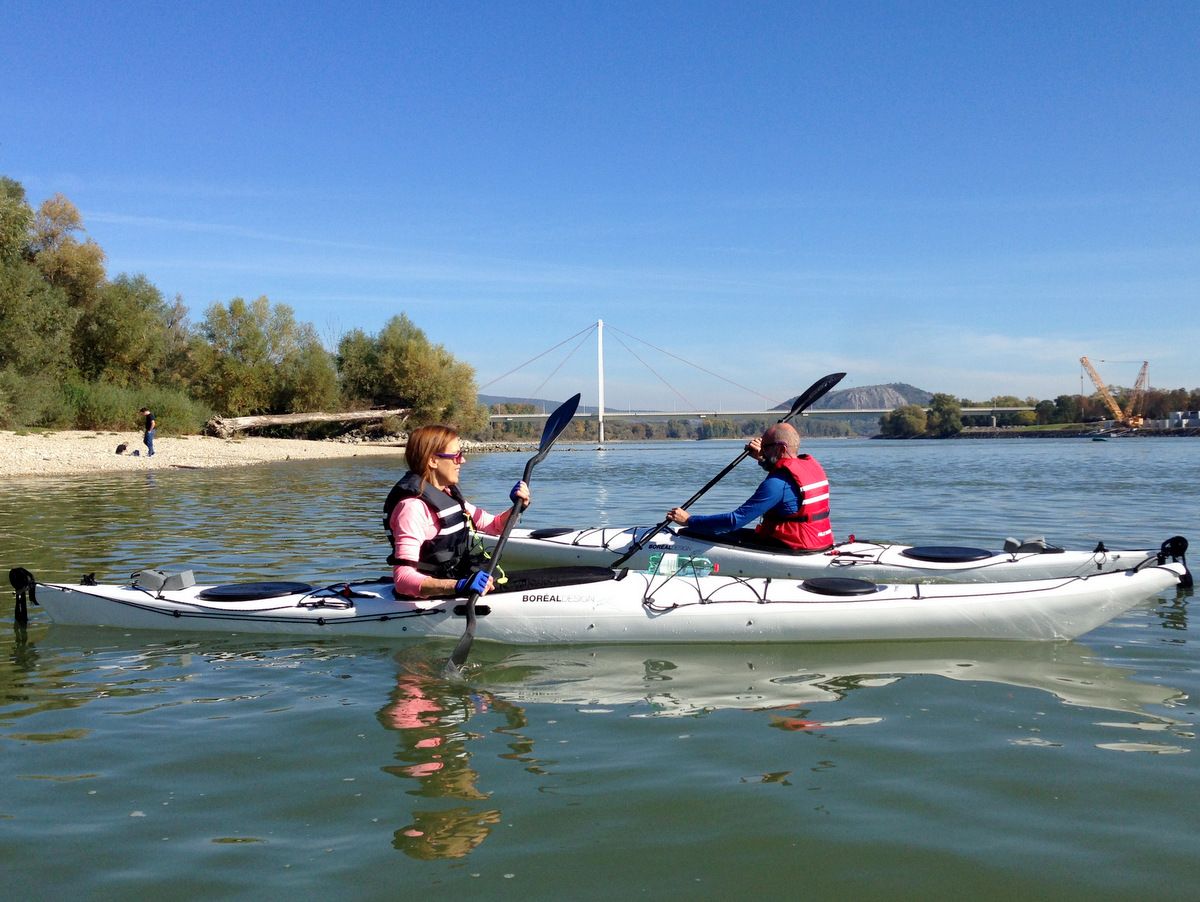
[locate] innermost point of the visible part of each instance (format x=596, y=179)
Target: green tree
x=77, y=267
x=36, y=322
x=177, y=348
x=1067, y=409
x=16, y=217
x=255, y=358
x=308, y=376
x=122, y=337
x=358, y=366
x=229, y=354
x=716, y=428
x=908, y=421
x=401, y=368
x=945, y=416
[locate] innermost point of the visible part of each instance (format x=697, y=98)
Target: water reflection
x=674, y=681
x=431, y=714
x=431, y=719
x=450, y=833
x=1172, y=614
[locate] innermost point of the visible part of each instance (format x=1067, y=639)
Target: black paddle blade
x=555, y=424
x=815, y=392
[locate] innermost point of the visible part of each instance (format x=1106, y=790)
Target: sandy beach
x=71, y=452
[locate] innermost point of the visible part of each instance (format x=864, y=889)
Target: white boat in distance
x=603, y=546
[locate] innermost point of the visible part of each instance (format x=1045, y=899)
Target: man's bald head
x=782, y=434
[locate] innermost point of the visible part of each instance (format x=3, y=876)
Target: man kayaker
x=430, y=525
x=793, y=500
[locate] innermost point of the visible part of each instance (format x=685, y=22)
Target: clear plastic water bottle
x=664, y=563
x=668, y=563
x=695, y=566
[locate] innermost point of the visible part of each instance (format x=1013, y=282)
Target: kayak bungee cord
x=261, y=615
x=1173, y=548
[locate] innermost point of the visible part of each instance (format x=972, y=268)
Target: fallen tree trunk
x=225, y=427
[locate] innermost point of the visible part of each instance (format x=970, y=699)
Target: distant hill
x=866, y=397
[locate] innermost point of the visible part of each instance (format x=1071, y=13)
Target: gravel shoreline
x=80, y=452
x=74, y=452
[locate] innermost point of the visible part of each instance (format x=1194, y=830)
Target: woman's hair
x=423, y=443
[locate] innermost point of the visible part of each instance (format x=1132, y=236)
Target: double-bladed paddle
x=555, y=424
x=802, y=403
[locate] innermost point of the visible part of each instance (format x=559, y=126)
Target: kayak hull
x=602, y=546
x=626, y=607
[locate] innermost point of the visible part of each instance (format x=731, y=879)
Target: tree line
x=81, y=349
x=672, y=428
x=945, y=418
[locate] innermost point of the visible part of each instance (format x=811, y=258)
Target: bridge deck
x=739, y=414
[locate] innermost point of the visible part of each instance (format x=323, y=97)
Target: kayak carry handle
x=24, y=586
x=1176, y=548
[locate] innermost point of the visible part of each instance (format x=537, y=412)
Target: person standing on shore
x=148, y=430
x=793, y=500
x=430, y=525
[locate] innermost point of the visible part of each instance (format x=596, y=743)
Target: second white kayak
x=603, y=546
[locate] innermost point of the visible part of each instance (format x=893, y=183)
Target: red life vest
x=809, y=528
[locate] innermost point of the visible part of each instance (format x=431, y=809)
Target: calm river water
x=207, y=766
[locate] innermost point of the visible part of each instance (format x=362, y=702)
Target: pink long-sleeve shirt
x=413, y=524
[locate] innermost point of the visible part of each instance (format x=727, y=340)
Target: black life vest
x=448, y=555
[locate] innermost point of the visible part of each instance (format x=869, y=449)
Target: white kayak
x=598, y=605
x=602, y=546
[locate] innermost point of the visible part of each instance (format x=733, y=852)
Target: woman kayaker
x=430, y=525
x=793, y=500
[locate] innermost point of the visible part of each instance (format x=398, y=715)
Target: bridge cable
x=560, y=366
x=691, y=364
x=690, y=405
x=589, y=329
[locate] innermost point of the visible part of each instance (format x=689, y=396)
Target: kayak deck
x=627, y=607
x=602, y=546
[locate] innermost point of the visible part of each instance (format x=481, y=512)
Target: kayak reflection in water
x=431, y=716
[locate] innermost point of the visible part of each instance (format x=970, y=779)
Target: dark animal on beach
x=25, y=586
x=121, y=447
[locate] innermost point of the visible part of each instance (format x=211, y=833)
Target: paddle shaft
x=459, y=656
x=815, y=391
x=555, y=424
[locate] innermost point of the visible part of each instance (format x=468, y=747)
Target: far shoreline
x=76, y=452
x=88, y=452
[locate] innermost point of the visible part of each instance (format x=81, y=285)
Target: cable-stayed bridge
x=600, y=413
x=774, y=413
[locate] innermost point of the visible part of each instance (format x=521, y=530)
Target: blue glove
x=512, y=496
x=473, y=584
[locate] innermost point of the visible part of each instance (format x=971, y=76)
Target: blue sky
x=963, y=196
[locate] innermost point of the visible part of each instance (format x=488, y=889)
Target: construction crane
x=1131, y=417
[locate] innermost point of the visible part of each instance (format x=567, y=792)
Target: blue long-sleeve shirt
x=775, y=493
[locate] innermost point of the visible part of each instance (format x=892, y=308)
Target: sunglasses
x=457, y=457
